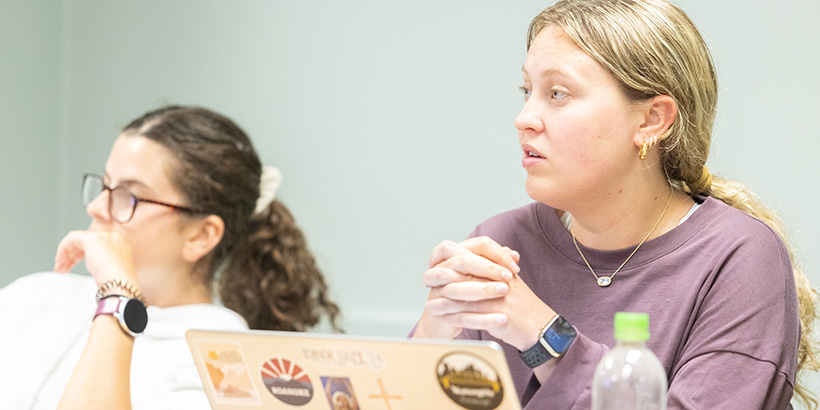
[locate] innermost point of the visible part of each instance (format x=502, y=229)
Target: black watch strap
x=535, y=356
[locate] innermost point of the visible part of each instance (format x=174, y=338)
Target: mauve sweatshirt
x=720, y=294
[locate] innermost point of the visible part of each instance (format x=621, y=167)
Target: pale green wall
x=392, y=123
x=29, y=136
x=373, y=113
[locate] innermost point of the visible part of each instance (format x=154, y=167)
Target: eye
x=558, y=95
x=526, y=91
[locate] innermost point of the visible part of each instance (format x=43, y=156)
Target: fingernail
x=506, y=275
x=501, y=319
x=502, y=288
x=514, y=267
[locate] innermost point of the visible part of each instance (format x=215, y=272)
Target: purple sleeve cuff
x=568, y=387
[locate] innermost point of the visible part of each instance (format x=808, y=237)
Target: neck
x=623, y=218
x=189, y=298
x=174, y=289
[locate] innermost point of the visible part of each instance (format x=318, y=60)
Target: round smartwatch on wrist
x=554, y=340
x=130, y=313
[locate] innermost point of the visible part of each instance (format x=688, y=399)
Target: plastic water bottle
x=630, y=376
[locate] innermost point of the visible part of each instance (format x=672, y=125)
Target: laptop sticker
x=469, y=381
x=228, y=373
x=339, y=393
x=349, y=358
x=384, y=395
x=287, y=381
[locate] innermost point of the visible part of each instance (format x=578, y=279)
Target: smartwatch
x=130, y=313
x=554, y=340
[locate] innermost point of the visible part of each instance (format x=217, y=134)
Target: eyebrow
x=549, y=71
x=131, y=183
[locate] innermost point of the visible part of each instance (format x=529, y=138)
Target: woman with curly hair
x=183, y=214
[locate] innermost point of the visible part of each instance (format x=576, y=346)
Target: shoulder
x=729, y=230
x=62, y=300
x=747, y=302
x=220, y=317
x=750, y=270
x=738, y=250
x=58, y=287
x=172, y=322
x=52, y=280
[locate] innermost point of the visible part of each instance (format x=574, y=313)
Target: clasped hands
x=475, y=284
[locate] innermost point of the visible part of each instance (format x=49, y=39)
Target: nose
x=98, y=209
x=530, y=120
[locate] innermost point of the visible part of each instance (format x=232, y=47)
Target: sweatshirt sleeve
x=569, y=385
x=729, y=380
x=740, y=349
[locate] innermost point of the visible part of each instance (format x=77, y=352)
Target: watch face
x=135, y=316
x=560, y=335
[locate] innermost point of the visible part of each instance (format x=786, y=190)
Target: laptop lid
x=291, y=370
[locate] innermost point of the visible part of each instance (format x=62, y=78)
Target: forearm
x=101, y=379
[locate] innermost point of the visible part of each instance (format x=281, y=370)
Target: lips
x=530, y=152
x=532, y=157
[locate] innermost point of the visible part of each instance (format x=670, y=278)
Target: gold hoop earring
x=642, y=152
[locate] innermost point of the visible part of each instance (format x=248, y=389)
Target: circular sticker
x=287, y=381
x=469, y=381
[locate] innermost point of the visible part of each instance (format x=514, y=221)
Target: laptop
x=291, y=370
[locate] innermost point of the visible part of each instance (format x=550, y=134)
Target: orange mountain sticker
x=228, y=373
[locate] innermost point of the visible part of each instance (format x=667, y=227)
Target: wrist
x=119, y=287
x=531, y=334
x=130, y=313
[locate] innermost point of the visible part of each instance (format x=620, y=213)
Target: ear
x=658, y=115
x=201, y=237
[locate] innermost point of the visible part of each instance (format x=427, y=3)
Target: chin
x=544, y=194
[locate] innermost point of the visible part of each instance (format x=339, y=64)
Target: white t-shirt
x=45, y=319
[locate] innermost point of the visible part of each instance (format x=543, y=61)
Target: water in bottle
x=630, y=376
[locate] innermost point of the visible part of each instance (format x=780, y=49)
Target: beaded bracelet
x=118, y=284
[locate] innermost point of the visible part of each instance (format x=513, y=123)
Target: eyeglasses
x=121, y=201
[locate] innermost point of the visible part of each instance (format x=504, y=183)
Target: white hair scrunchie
x=268, y=185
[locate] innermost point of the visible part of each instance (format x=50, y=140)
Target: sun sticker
x=287, y=381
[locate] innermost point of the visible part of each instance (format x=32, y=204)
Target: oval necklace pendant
x=604, y=281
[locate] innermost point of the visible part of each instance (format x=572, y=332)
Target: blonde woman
x=620, y=100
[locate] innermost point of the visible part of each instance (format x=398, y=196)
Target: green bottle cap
x=631, y=326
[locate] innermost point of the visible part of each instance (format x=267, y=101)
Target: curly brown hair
x=262, y=265
x=275, y=261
